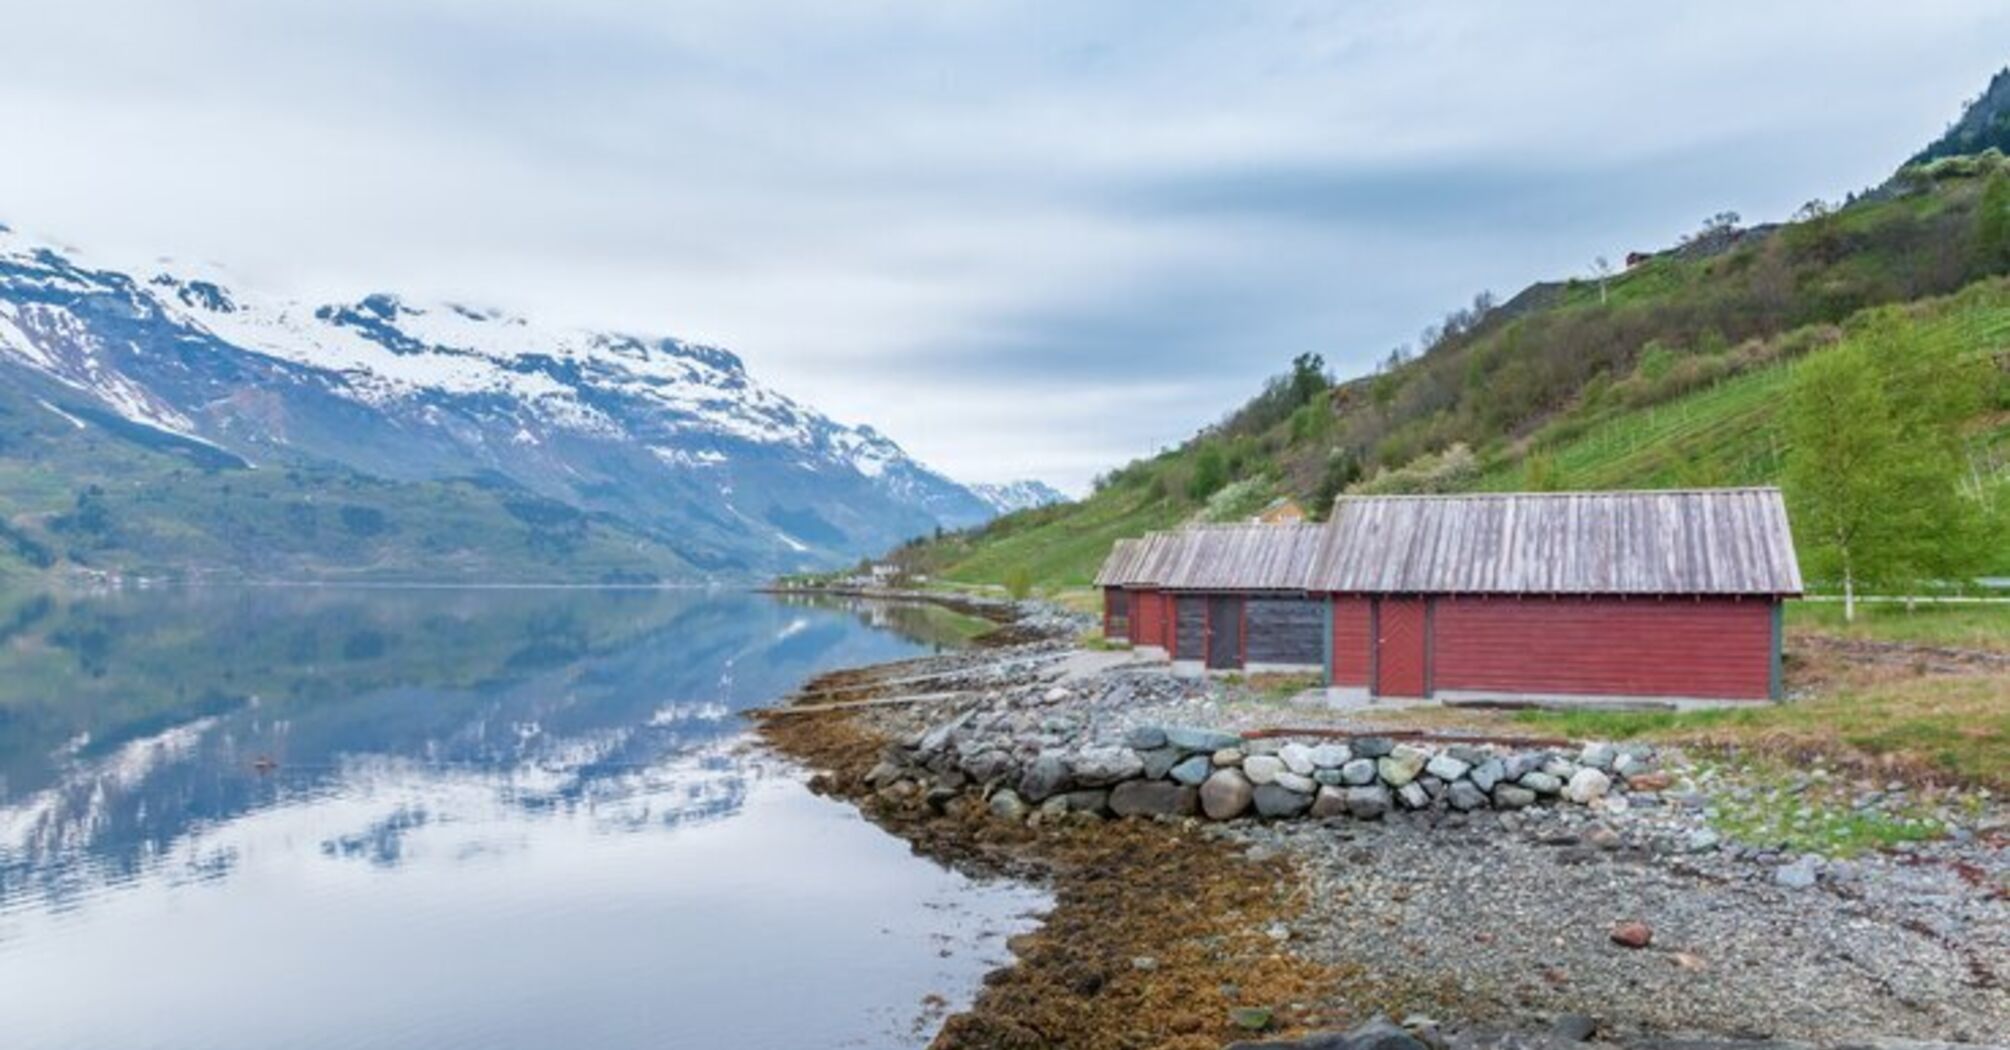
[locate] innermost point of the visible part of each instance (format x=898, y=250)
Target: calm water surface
x=497, y=819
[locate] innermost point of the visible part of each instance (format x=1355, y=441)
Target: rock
x=1047, y=776
x=1329, y=777
x=1487, y=774
x=1358, y=772
x=1632, y=934
x=1275, y=801
x=1572, y=1028
x=1598, y=755
x=1654, y=781
x=1519, y=766
x=1446, y=768
x=987, y=766
x=1560, y=768
x=1413, y=796
x=1373, y=746
x=1262, y=746
x=1250, y=1018
x=1329, y=802
x=1702, y=840
x=1262, y=769
x=1513, y=796
x=1400, y=766
x=1159, y=762
x=1541, y=783
x=1057, y=694
x=1799, y=875
x=1382, y=1034
x=1229, y=756
x=882, y=774
x=1098, y=766
x=1145, y=738
x=938, y=737
x=1368, y=801
x=1152, y=798
x=1144, y=963
x=1192, y=770
x=1209, y=740
x=1304, y=785
x=1226, y=794
x=1331, y=756
x=1297, y=758
x=1007, y=805
x=1465, y=794
x=1588, y=785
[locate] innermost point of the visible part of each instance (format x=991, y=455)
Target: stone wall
x=1184, y=771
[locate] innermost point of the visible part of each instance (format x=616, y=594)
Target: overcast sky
x=1023, y=239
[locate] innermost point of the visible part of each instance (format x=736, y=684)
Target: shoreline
x=1180, y=932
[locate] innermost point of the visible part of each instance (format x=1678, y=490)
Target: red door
x=1401, y=630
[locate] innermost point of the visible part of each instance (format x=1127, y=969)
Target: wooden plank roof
x=1118, y=567
x=1692, y=541
x=1247, y=557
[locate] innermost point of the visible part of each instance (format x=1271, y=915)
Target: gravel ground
x=1513, y=925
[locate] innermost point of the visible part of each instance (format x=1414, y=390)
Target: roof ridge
x=1566, y=494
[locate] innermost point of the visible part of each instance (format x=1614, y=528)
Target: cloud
x=1018, y=240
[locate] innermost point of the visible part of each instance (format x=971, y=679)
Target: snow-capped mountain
x=1018, y=495
x=671, y=438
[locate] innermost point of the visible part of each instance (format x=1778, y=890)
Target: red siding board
x=1350, y=641
x=1711, y=648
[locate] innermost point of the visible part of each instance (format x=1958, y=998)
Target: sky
x=1023, y=239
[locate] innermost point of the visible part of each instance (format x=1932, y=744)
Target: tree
x=1308, y=378
x=1874, y=460
x=1018, y=582
x=1992, y=223
x=1210, y=472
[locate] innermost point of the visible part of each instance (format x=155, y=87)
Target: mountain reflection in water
x=255, y=755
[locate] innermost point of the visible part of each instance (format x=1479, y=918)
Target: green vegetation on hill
x=80, y=496
x=1669, y=374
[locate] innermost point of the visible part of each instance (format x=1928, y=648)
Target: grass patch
x=1794, y=811
x=1941, y=727
x=1960, y=626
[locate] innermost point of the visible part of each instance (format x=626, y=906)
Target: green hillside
x=1668, y=374
x=90, y=498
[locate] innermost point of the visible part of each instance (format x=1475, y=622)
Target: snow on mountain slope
x=671, y=437
x=1018, y=495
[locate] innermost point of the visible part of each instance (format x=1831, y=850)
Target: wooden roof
x=1248, y=557
x=1696, y=541
x=1118, y=567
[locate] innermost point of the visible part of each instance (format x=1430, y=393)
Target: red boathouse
x=1672, y=595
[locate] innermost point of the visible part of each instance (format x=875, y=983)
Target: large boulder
x=1192, y=770
x=1401, y=765
x=1189, y=739
x=1262, y=769
x=1100, y=766
x=1358, y=772
x=1297, y=758
x=1464, y=794
x=1226, y=794
x=1586, y=786
x=1373, y=746
x=1329, y=802
x=1275, y=801
x=1369, y=801
x=1446, y=768
x=1513, y=796
x=1331, y=756
x=1541, y=783
x=1151, y=798
x=1045, y=777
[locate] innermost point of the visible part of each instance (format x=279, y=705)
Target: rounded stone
x=1192, y=770
x=1298, y=759
x=1262, y=769
x=1586, y=786
x=1226, y=794
x=1358, y=772
x=1300, y=783
x=1151, y=798
x=1273, y=800
x=1400, y=766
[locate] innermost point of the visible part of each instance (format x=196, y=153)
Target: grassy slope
x=93, y=498
x=1669, y=403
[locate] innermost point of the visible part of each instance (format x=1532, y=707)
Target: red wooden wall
x=1713, y=647
x=1350, y=640
x=1402, y=647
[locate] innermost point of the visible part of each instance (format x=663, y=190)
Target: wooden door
x=1224, y=632
x=1402, y=647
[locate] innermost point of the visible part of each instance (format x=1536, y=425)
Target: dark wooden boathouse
x=1239, y=600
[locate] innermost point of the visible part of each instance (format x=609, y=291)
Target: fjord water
x=423, y=818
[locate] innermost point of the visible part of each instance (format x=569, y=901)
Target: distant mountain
x=1984, y=124
x=1018, y=495
x=671, y=441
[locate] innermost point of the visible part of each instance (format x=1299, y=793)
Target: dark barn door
x=1402, y=632
x=1224, y=632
